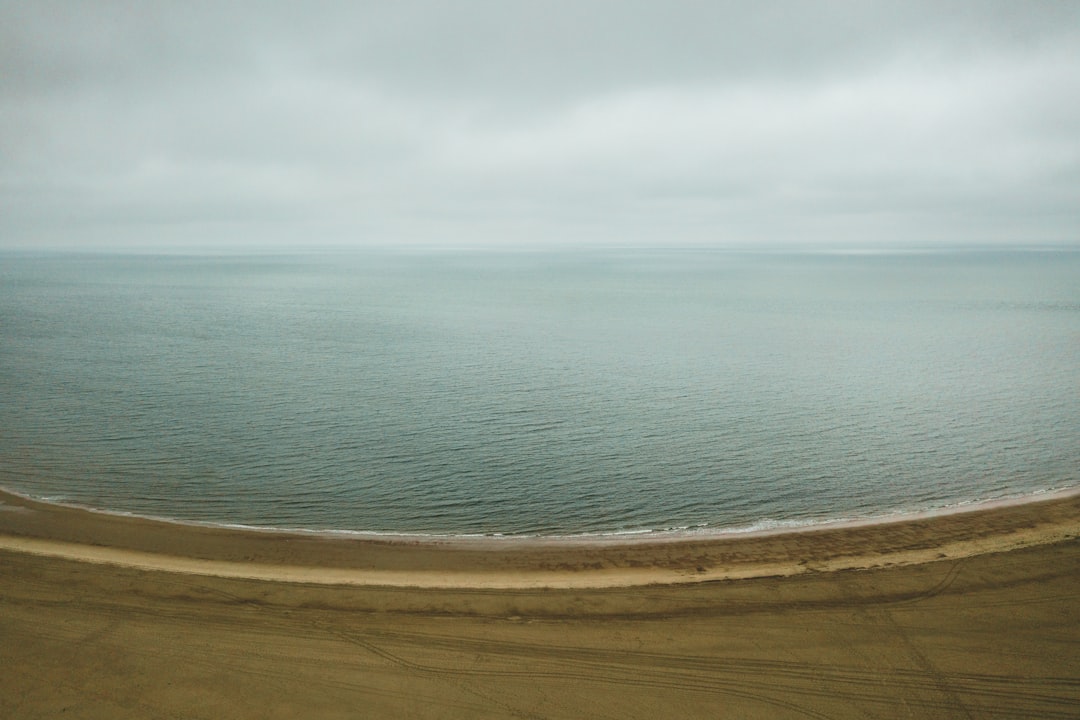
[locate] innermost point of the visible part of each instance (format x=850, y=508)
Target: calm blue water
x=552, y=393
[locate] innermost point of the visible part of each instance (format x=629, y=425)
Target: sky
x=143, y=124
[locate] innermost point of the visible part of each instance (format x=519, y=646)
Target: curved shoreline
x=62, y=531
x=615, y=537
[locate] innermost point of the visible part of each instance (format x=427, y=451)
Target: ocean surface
x=548, y=392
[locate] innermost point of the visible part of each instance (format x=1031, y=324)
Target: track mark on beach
x=941, y=682
x=801, y=678
x=734, y=677
x=940, y=587
x=603, y=667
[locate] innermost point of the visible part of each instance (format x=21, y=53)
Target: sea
x=539, y=392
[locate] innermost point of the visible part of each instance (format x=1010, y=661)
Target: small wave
x=765, y=526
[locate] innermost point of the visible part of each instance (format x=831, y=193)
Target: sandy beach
x=967, y=614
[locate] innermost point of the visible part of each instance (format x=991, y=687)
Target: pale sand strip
x=997, y=528
x=381, y=578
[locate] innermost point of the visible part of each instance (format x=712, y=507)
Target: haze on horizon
x=477, y=123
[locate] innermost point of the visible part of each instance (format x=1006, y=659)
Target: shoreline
x=765, y=526
x=506, y=563
x=967, y=615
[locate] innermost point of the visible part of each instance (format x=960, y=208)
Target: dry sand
x=967, y=615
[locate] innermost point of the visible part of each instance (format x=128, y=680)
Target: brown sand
x=968, y=615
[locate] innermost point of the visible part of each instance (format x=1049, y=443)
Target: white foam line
x=764, y=526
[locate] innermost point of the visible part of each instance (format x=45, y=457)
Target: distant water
x=538, y=392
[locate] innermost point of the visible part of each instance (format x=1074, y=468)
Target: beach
x=966, y=614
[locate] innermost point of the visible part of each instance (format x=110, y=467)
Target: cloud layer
x=459, y=124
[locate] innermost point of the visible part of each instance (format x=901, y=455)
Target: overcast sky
x=263, y=124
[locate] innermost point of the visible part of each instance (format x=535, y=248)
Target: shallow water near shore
x=538, y=393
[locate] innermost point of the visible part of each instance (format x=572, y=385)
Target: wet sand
x=973, y=614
